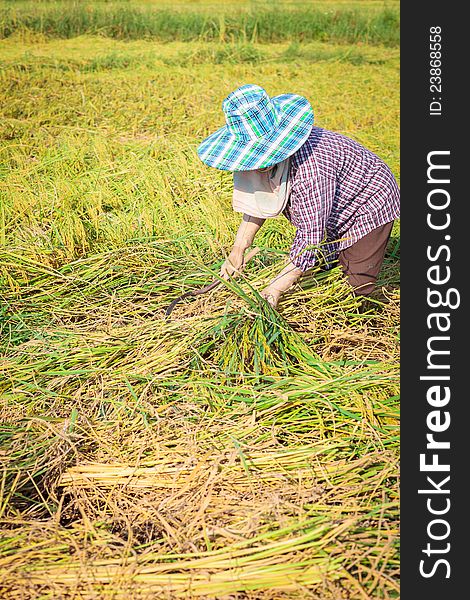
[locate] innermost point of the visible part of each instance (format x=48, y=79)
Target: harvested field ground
x=232, y=451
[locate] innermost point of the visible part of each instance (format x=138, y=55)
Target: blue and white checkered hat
x=260, y=131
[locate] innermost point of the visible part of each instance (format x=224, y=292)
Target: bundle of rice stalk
x=257, y=340
x=57, y=359
x=173, y=469
x=283, y=560
x=137, y=281
x=329, y=484
x=353, y=390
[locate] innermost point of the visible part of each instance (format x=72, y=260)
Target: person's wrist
x=236, y=258
x=286, y=282
x=238, y=250
x=277, y=290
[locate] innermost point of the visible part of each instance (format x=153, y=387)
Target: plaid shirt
x=340, y=191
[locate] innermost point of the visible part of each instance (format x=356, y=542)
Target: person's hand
x=280, y=284
x=271, y=295
x=233, y=265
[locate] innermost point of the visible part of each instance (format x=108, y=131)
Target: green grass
x=255, y=22
x=230, y=451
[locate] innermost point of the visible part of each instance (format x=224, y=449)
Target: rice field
x=255, y=20
x=231, y=451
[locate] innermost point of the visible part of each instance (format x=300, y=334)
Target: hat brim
x=222, y=150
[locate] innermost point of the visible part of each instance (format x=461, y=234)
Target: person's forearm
x=246, y=232
x=243, y=240
x=281, y=283
x=286, y=278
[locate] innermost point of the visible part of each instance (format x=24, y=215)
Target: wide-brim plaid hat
x=260, y=131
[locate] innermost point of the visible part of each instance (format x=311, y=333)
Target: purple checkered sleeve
x=340, y=191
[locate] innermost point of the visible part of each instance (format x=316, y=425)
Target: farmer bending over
x=341, y=197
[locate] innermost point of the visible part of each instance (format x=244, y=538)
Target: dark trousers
x=362, y=261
